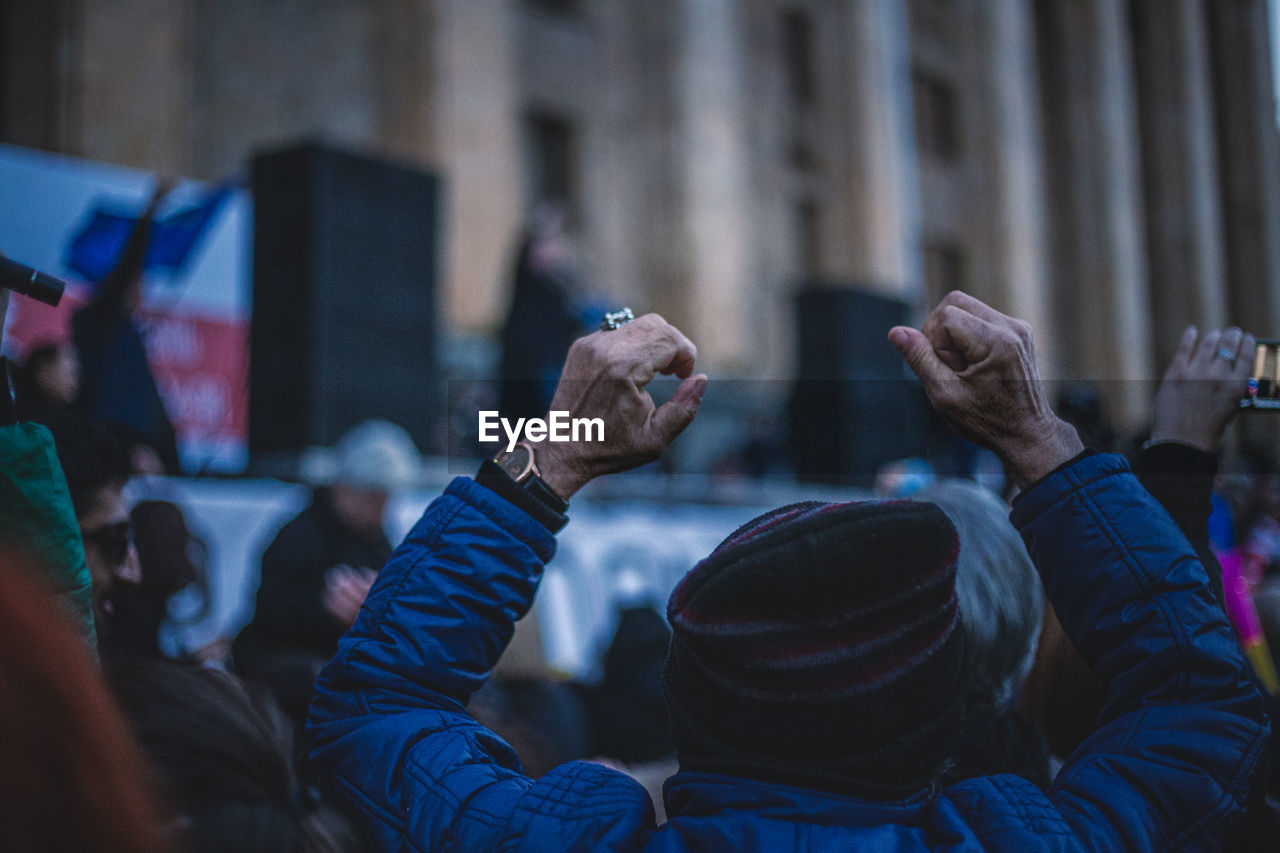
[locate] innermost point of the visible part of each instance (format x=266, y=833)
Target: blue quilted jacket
x=1166, y=769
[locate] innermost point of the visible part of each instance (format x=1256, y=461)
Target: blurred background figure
x=1080, y=405
x=223, y=758
x=1000, y=605
x=171, y=559
x=542, y=718
x=118, y=388
x=904, y=478
x=73, y=777
x=320, y=566
x=97, y=467
x=627, y=711
x=49, y=382
x=543, y=319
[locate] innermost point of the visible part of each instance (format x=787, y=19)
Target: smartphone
x=1264, y=378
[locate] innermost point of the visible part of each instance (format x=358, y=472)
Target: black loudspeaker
x=853, y=407
x=344, y=309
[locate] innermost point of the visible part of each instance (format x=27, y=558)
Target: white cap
x=375, y=454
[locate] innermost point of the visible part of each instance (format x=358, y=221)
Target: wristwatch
x=520, y=465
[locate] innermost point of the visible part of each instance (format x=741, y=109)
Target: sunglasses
x=113, y=539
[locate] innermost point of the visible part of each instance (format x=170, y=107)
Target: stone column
x=884, y=188
x=1094, y=167
x=1180, y=170
x=133, y=87
x=1249, y=159
x=475, y=112
x=1016, y=215
x=402, y=38
x=714, y=181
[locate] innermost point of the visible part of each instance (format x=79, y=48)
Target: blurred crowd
x=110, y=741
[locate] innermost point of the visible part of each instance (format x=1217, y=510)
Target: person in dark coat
x=117, y=387
x=627, y=712
x=318, y=569
x=1198, y=398
x=816, y=677
x=171, y=558
x=542, y=321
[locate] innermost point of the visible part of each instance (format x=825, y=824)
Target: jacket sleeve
x=388, y=723
x=1183, y=730
x=1181, y=477
x=290, y=604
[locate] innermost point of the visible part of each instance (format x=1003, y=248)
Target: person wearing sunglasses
x=97, y=468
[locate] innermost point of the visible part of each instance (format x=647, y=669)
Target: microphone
x=29, y=282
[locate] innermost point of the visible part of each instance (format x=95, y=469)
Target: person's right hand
x=1202, y=388
x=604, y=377
x=979, y=370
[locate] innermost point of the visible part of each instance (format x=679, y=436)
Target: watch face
x=517, y=463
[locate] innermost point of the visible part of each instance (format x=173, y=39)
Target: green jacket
x=38, y=522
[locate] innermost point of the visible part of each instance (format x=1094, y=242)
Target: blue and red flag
x=97, y=246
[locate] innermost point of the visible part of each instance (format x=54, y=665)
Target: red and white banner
x=195, y=320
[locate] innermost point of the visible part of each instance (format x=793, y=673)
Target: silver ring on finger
x=1226, y=355
x=616, y=320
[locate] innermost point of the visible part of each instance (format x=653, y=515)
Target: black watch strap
x=533, y=496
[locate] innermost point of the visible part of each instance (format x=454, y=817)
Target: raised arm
x=389, y=723
x=1183, y=730
x=1198, y=398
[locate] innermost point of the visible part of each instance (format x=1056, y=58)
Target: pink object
x=1236, y=566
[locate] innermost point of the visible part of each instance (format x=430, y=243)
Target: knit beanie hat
x=820, y=645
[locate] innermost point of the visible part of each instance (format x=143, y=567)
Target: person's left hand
x=345, y=590
x=1202, y=388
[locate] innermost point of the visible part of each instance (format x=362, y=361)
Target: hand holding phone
x=1201, y=390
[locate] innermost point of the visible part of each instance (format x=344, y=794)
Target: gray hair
x=1001, y=601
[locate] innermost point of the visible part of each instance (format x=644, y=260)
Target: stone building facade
x=1107, y=169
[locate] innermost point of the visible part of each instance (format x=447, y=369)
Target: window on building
x=550, y=158
x=556, y=7
x=797, y=50
x=936, y=115
x=943, y=270
x=801, y=86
